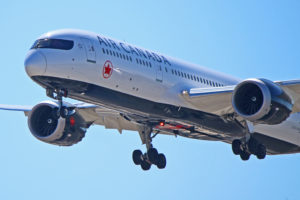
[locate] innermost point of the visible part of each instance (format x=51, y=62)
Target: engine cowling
x=47, y=127
x=261, y=101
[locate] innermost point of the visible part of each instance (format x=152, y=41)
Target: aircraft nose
x=35, y=63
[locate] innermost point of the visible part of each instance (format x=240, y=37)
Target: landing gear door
x=89, y=50
x=159, y=73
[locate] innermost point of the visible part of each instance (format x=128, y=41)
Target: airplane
x=125, y=87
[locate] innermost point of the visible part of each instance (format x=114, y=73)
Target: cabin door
x=89, y=50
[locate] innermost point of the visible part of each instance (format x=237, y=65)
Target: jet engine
x=261, y=101
x=46, y=125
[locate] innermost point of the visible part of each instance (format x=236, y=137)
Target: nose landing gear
x=62, y=111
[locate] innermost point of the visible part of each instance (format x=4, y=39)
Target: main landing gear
x=248, y=145
x=245, y=149
x=151, y=157
x=61, y=111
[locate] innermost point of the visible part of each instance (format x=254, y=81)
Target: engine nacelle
x=261, y=101
x=47, y=127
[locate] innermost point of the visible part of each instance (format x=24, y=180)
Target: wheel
x=64, y=112
x=152, y=155
x=261, y=151
x=162, y=161
x=137, y=157
x=236, y=147
x=244, y=155
x=145, y=165
x=253, y=145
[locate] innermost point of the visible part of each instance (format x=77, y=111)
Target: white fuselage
x=139, y=72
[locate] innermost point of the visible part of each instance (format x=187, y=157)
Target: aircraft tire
x=261, y=151
x=64, y=112
x=236, y=147
x=145, y=165
x=137, y=157
x=162, y=161
x=153, y=155
x=245, y=155
x=253, y=146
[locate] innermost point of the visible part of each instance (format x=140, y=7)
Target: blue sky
x=244, y=39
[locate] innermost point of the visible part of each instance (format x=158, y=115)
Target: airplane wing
x=216, y=100
x=15, y=107
x=110, y=119
x=292, y=88
x=91, y=113
x=25, y=109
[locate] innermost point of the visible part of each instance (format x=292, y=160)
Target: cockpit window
x=53, y=44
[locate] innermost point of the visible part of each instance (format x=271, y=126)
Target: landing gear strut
x=62, y=111
x=151, y=157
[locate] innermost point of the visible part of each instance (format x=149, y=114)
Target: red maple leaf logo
x=107, y=69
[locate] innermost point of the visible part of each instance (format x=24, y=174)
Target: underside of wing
x=110, y=119
x=292, y=88
x=215, y=100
